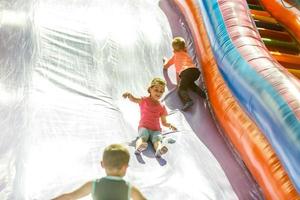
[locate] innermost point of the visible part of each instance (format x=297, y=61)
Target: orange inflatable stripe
x=264, y=18
x=260, y=12
x=283, y=15
x=295, y=72
x=243, y=133
x=288, y=60
x=273, y=34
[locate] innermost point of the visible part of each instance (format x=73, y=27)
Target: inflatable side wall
x=290, y=18
x=267, y=91
x=242, y=131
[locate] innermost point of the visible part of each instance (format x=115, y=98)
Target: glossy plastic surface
x=243, y=133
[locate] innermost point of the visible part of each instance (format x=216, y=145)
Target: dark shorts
x=189, y=76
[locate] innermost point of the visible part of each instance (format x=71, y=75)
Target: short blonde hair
x=115, y=156
x=157, y=81
x=178, y=44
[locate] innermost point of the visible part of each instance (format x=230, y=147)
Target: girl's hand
x=173, y=128
x=131, y=97
x=165, y=60
x=126, y=95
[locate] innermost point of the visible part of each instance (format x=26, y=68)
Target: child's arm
x=166, y=124
x=168, y=63
x=80, y=192
x=136, y=194
x=131, y=97
x=177, y=79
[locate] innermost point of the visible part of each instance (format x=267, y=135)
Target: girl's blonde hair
x=178, y=44
x=157, y=81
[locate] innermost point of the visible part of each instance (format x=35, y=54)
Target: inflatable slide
x=278, y=25
x=234, y=42
x=65, y=64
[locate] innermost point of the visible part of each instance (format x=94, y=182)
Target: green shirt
x=111, y=188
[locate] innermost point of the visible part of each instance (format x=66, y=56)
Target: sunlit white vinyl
x=63, y=67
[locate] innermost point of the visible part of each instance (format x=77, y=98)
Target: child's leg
x=198, y=90
x=159, y=146
x=156, y=145
x=156, y=139
x=183, y=87
x=185, y=83
x=160, y=149
x=141, y=143
x=194, y=75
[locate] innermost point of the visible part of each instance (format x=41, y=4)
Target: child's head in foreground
x=178, y=44
x=157, y=88
x=115, y=160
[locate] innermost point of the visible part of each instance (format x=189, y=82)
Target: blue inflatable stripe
x=256, y=95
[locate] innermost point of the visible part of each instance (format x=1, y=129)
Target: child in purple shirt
x=151, y=111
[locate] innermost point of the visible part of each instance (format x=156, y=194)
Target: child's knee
x=144, y=138
x=156, y=138
x=144, y=135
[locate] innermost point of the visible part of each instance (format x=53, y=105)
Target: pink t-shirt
x=150, y=114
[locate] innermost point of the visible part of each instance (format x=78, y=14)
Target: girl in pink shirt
x=186, y=71
x=151, y=111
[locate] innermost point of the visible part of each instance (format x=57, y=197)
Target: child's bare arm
x=131, y=97
x=177, y=79
x=136, y=194
x=164, y=122
x=80, y=192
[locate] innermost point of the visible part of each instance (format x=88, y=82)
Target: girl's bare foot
x=143, y=146
x=161, y=150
